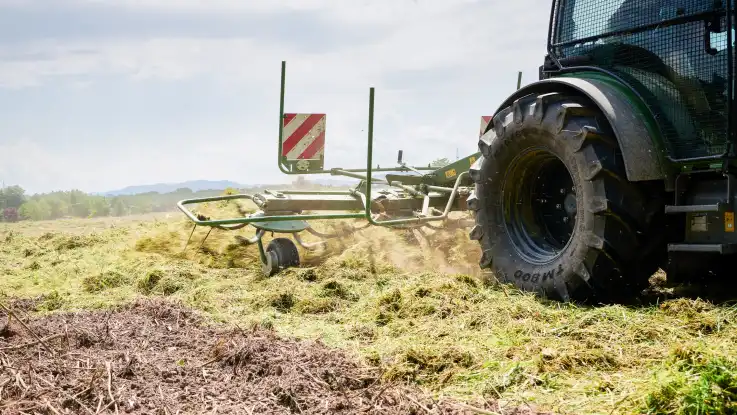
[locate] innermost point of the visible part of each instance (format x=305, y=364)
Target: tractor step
x=722, y=249
x=715, y=208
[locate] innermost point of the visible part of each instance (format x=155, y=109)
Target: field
x=121, y=318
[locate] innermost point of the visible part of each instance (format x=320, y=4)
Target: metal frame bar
x=335, y=171
x=644, y=28
x=730, y=83
x=365, y=199
x=237, y=223
x=732, y=136
x=247, y=220
x=310, y=246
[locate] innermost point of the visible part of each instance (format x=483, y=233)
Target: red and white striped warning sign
x=303, y=136
x=485, y=120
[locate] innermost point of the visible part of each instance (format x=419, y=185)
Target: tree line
x=16, y=205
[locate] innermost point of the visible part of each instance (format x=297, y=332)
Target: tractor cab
x=674, y=54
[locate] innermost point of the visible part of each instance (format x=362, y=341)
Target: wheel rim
x=540, y=205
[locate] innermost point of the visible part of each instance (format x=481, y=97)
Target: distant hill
x=337, y=182
x=194, y=185
x=200, y=185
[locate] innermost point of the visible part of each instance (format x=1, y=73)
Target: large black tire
x=607, y=249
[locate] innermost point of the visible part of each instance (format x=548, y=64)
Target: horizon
x=319, y=179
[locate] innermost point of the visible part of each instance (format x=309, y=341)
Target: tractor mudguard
x=636, y=132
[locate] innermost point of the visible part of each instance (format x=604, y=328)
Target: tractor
x=617, y=162
x=620, y=159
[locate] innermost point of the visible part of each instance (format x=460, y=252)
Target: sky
x=97, y=95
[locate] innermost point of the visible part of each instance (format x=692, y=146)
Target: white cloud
x=429, y=34
x=209, y=5
x=363, y=11
x=17, y=3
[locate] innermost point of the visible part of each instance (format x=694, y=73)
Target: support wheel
x=281, y=253
x=554, y=211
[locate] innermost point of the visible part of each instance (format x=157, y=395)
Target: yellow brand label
x=472, y=160
x=450, y=173
x=728, y=221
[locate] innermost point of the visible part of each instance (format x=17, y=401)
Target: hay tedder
x=618, y=161
x=405, y=197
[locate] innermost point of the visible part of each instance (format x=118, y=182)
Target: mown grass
x=423, y=314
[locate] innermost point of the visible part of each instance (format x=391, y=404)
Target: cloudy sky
x=101, y=94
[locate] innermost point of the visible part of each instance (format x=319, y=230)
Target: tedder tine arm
x=366, y=198
x=205, y=238
x=256, y=219
x=250, y=241
x=189, y=239
x=307, y=245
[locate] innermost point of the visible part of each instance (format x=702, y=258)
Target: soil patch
x=154, y=357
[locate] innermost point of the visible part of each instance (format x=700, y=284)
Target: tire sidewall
x=508, y=265
x=286, y=252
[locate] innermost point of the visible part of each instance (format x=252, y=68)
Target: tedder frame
x=423, y=194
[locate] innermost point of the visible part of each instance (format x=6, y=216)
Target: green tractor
x=620, y=159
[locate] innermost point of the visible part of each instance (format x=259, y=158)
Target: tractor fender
x=643, y=159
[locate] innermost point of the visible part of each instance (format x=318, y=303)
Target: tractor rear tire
x=555, y=213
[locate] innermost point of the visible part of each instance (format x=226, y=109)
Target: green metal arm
x=335, y=171
x=367, y=197
x=246, y=220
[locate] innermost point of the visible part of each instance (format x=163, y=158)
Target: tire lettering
x=535, y=278
x=560, y=269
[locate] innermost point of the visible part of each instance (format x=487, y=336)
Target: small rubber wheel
x=281, y=253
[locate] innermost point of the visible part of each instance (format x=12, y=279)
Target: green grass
x=421, y=314
x=698, y=382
